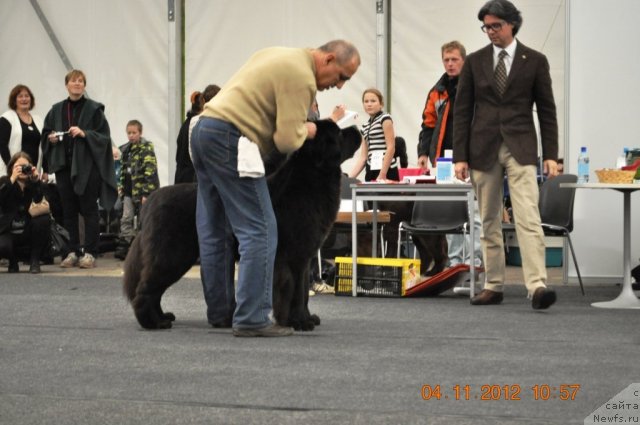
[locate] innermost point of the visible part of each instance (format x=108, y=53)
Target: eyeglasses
x=496, y=26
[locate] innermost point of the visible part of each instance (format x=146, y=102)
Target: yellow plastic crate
x=377, y=277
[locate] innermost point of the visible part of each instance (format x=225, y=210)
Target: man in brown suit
x=494, y=133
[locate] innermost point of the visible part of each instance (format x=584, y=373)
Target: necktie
x=500, y=73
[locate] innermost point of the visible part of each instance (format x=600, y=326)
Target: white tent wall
x=420, y=28
x=121, y=45
x=603, y=116
x=222, y=35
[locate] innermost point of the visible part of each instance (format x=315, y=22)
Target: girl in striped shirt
x=378, y=141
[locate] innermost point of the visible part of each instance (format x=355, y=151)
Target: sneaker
x=70, y=261
x=272, y=330
x=87, y=262
x=323, y=288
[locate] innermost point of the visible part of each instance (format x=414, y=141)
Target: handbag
x=59, y=239
x=39, y=208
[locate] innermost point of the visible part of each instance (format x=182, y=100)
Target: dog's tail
x=131, y=277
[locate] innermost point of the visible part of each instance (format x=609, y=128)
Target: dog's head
x=351, y=141
x=330, y=147
x=324, y=148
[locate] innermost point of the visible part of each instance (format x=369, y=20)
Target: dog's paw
x=298, y=324
x=155, y=325
x=168, y=316
x=302, y=325
x=165, y=324
x=315, y=319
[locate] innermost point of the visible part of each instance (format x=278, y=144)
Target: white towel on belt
x=192, y=124
x=249, y=160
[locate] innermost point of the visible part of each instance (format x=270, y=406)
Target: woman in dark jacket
x=18, y=230
x=76, y=143
x=184, y=167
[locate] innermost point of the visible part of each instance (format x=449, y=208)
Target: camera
x=27, y=170
x=60, y=135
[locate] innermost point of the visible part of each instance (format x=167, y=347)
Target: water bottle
x=444, y=170
x=583, y=166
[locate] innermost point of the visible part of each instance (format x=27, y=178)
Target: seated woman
x=19, y=231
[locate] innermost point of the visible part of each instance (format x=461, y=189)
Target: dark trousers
x=86, y=205
x=30, y=244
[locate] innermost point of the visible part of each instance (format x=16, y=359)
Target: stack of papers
x=349, y=119
x=419, y=179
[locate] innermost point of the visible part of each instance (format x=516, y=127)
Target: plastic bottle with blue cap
x=444, y=168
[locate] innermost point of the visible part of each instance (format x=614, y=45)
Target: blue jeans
x=229, y=205
x=456, y=242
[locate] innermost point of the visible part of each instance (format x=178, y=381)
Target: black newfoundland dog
x=305, y=193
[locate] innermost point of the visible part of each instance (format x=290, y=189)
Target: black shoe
x=121, y=253
x=35, y=267
x=221, y=325
x=122, y=248
x=224, y=323
x=13, y=266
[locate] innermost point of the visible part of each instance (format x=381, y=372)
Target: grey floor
x=71, y=352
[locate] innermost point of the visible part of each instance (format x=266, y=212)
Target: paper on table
x=346, y=205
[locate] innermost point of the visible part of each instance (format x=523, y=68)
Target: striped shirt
x=374, y=135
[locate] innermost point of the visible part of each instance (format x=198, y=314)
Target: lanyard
x=69, y=114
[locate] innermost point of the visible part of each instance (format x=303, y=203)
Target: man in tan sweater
x=262, y=107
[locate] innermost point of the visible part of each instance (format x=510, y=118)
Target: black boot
x=35, y=267
x=122, y=248
x=13, y=266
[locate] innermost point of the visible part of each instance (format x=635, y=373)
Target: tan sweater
x=269, y=97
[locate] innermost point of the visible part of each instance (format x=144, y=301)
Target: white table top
x=618, y=186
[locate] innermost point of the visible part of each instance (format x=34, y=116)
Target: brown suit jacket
x=482, y=120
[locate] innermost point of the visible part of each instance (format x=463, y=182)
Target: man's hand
x=550, y=168
x=462, y=170
x=311, y=129
x=338, y=113
x=423, y=162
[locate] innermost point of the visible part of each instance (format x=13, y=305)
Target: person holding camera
x=76, y=143
x=23, y=229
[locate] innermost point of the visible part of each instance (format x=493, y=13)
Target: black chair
x=435, y=217
x=556, y=213
x=345, y=186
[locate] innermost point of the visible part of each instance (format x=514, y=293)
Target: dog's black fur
x=305, y=193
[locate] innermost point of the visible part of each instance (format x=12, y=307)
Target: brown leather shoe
x=487, y=297
x=543, y=298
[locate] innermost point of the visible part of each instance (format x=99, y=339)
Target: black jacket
x=15, y=203
x=93, y=151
